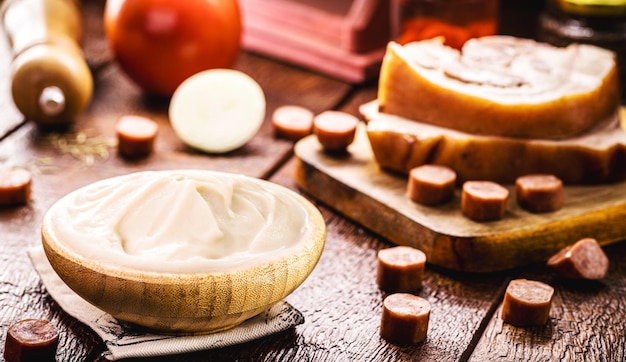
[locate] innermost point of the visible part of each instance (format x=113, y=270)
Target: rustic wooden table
x=340, y=300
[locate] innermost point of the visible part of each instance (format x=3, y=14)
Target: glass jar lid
x=610, y=8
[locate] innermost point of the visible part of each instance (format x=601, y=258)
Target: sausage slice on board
x=539, y=192
x=483, y=200
x=431, y=184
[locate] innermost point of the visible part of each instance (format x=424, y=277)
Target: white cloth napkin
x=125, y=341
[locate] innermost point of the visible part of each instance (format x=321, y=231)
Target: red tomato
x=160, y=43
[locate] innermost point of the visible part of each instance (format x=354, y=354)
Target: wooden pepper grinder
x=50, y=80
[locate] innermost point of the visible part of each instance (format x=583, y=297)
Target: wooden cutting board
x=355, y=186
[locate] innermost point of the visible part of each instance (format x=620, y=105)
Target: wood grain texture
x=586, y=320
x=340, y=301
x=355, y=185
x=58, y=173
x=346, y=299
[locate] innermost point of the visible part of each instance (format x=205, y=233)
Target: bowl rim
x=313, y=239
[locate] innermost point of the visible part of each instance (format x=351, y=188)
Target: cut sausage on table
x=15, y=187
x=292, y=122
x=483, y=200
x=31, y=340
x=404, y=319
x=135, y=135
x=400, y=269
x=527, y=303
x=431, y=184
x=585, y=259
x=335, y=130
x=539, y=193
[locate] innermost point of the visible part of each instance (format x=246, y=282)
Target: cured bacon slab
x=500, y=86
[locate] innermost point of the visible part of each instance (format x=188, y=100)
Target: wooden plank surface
x=346, y=296
x=56, y=173
x=586, y=320
x=340, y=301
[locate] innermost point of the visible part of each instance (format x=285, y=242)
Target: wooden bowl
x=228, y=292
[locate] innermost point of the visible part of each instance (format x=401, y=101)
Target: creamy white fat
x=179, y=221
x=545, y=72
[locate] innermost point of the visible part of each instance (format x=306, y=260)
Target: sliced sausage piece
x=405, y=319
x=431, y=184
x=135, y=135
x=335, y=130
x=527, y=303
x=400, y=269
x=539, y=193
x=483, y=200
x=15, y=186
x=585, y=259
x=31, y=340
x=292, y=122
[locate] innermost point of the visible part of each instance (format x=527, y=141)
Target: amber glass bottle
x=456, y=20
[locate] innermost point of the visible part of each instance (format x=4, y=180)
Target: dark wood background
x=340, y=300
